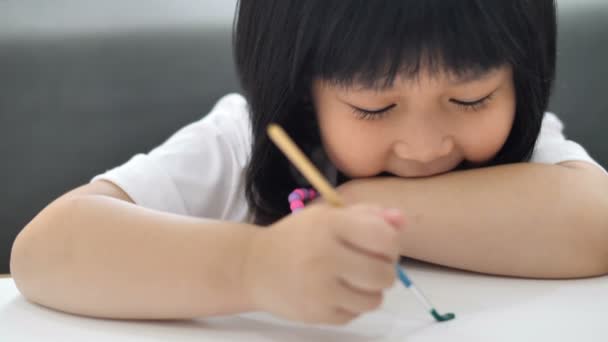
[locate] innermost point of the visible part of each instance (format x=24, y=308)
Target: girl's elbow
x=34, y=252
x=22, y=264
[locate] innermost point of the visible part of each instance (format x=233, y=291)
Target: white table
x=487, y=308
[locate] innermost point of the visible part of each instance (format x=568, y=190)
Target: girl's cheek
x=484, y=148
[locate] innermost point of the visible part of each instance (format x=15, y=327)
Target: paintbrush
x=316, y=179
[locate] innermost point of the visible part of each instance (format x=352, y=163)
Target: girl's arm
x=528, y=220
x=91, y=252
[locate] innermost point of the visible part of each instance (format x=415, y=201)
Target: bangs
x=280, y=46
x=370, y=43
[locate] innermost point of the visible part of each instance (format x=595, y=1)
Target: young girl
x=432, y=112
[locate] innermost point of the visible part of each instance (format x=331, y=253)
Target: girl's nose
x=423, y=149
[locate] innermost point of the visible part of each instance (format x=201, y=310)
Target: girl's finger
x=395, y=218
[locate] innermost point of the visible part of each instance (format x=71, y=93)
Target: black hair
x=280, y=46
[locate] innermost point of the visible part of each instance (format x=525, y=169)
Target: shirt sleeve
x=199, y=171
x=552, y=147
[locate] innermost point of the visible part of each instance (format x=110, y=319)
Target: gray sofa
x=86, y=84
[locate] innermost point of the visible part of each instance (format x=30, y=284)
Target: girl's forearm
x=99, y=256
x=528, y=220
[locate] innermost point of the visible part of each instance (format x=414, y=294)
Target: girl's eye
x=473, y=105
x=367, y=114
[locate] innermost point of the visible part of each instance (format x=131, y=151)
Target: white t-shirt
x=200, y=170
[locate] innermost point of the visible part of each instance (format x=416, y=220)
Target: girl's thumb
x=394, y=217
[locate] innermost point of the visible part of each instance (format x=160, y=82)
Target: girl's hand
x=323, y=264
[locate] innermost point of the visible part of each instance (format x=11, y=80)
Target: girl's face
x=416, y=128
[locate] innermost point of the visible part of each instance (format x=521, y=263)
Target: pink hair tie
x=299, y=196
